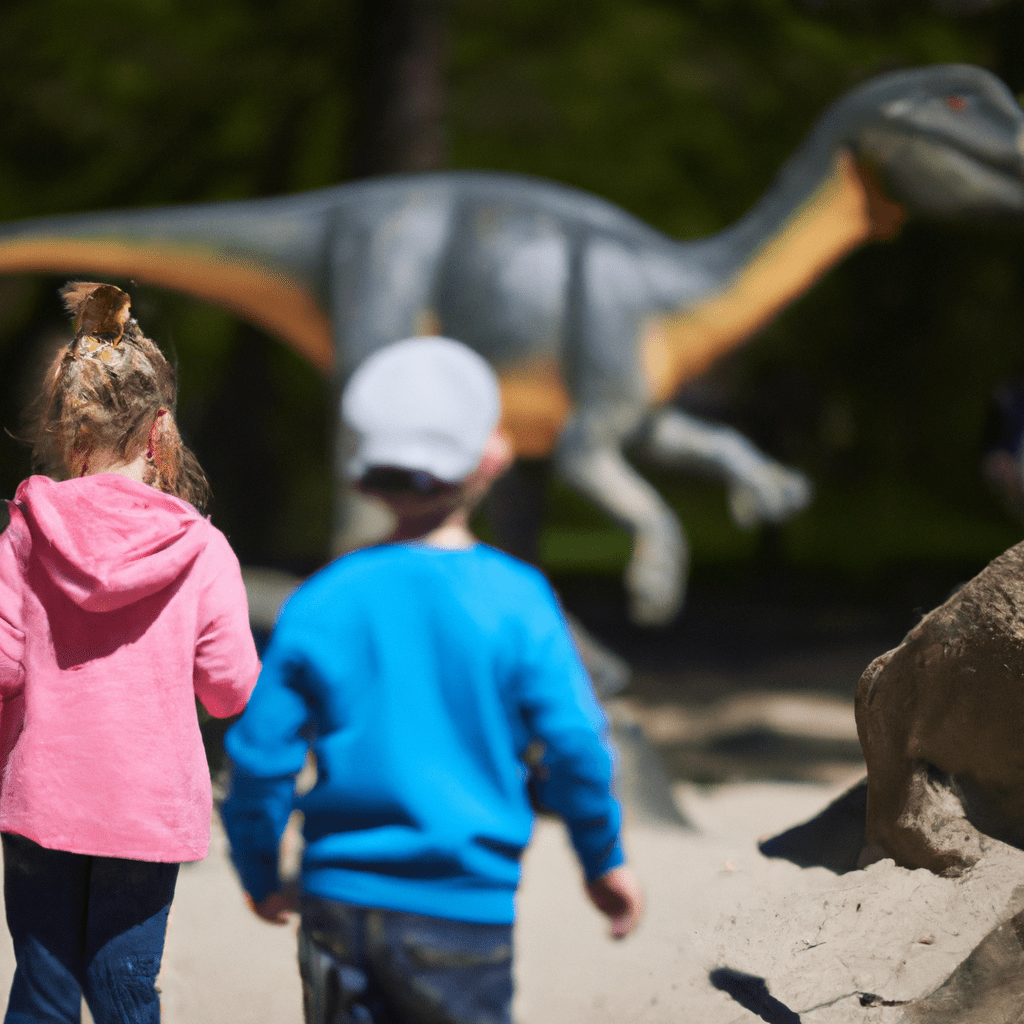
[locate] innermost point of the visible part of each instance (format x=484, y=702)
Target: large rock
x=987, y=988
x=941, y=722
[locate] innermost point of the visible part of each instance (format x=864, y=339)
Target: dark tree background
x=875, y=383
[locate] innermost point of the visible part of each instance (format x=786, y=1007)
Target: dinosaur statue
x=592, y=318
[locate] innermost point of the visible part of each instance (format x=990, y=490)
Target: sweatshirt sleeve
x=226, y=663
x=559, y=708
x=267, y=747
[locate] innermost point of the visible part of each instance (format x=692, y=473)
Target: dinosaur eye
x=956, y=103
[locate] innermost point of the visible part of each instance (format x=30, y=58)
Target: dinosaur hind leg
x=594, y=466
x=760, y=489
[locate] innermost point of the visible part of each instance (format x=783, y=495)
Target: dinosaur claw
x=775, y=496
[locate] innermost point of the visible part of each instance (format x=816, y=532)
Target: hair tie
x=101, y=313
x=150, y=451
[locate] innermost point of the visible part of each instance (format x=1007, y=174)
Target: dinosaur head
x=945, y=141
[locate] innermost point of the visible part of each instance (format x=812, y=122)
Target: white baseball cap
x=422, y=404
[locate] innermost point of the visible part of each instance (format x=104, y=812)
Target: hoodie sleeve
x=226, y=664
x=267, y=747
x=12, y=637
x=559, y=708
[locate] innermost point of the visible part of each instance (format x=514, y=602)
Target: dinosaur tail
x=256, y=259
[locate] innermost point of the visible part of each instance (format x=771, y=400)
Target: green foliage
x=136, y=103
x=682, y=113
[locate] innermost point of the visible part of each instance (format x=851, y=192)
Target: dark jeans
x=365, y=966
x=81, y=925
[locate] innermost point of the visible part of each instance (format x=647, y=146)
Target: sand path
x=715, y=903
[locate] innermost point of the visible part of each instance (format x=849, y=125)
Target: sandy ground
x=756, y=740
x=719, y=915
x=224, y=965
x=728, y=932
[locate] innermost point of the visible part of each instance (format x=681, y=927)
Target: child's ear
x=497, y=457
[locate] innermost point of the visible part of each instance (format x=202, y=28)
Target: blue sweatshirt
x=419, y=677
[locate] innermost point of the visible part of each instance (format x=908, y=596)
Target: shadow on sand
x=832, y=839
x=751, y=992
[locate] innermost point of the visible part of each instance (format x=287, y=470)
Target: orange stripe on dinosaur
x=534, y=404
x=270, y=301
x=848, y=210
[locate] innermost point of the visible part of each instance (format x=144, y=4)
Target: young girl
x=119, y=604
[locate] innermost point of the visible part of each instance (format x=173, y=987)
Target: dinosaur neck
x=847, y=209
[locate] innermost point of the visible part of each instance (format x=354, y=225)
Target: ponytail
x=111, y=391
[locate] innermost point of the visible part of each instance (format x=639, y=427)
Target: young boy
x=422, y=673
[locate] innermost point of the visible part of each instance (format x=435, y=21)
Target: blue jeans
x=366, y=966
x=81, y=925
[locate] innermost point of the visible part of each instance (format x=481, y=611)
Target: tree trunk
x=398, y=87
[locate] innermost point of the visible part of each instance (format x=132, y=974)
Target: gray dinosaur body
x=592, y=317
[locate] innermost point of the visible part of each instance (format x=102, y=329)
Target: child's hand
x=277, y=908
x=617, y=895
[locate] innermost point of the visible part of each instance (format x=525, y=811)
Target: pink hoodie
x=118, y=605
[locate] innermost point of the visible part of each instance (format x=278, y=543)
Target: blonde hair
x=111, y=392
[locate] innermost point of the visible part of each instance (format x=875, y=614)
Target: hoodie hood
x=106, y=541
